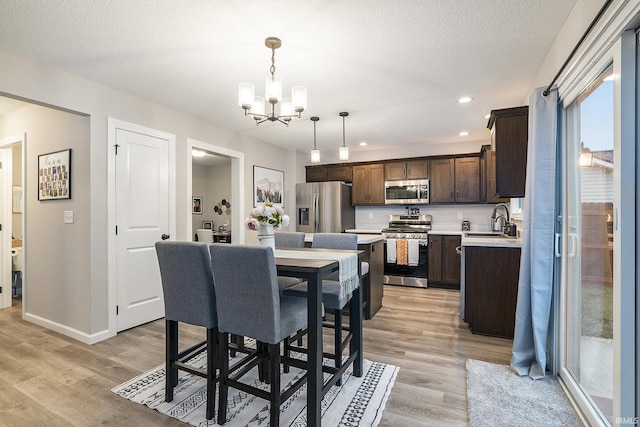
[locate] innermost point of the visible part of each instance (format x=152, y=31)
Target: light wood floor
x=49, y=379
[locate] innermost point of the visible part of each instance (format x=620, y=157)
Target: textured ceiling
x=397, y=66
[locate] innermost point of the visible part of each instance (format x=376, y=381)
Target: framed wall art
x=197, y=206
x=207, y=225
x=268, y=186
x=54, y=175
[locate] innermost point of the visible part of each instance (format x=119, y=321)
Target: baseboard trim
x=68, y=331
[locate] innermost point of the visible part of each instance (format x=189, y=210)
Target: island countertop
x=363, y=239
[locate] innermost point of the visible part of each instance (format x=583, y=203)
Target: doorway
x=12, y=211
x=236, y=214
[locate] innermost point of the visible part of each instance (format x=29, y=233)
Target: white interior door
x=142, y=217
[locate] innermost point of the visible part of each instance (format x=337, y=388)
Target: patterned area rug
x=359, y=401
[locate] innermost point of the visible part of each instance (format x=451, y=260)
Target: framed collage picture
x=54, y=175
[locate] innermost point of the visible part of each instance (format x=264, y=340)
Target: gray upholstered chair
x=288, y=239
x=189, y=297
x=249, y=304
x=330, y=290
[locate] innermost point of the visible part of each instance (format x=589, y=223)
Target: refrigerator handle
x=316, y=220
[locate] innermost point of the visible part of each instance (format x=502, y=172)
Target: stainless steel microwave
x=410, y=192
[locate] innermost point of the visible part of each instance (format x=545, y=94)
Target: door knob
x=165, y=236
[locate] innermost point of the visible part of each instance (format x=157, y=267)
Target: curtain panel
x=535, y=284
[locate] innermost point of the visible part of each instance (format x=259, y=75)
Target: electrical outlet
x=460, y=216
x=68, y=217
x=370, y=215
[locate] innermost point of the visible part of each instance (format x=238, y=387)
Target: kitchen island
x=372, y=288
x=489, y=283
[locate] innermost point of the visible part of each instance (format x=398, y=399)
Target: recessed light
x=363, y=144
x=487, y=116
x=464, y=133
x=465, y=99
x=197, y=153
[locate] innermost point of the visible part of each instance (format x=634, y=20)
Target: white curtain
x=535, y=286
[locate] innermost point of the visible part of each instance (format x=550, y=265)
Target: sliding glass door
x=589, y=199
x=599, y=187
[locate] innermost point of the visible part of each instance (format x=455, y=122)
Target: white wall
x=79, y=303
x=57, y=257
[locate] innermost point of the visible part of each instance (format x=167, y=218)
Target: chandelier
x=254, y=106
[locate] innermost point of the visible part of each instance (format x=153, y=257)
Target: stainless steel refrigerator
x=324, y=207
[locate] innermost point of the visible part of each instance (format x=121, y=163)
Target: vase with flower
x=265, y=219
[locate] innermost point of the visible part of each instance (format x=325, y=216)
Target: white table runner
x=348, y=274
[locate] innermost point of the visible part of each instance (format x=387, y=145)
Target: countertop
x=492, y=241
x=362, y=231
x=363, y=239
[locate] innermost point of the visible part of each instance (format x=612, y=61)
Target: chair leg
x=287, y=353
x=171, y=355
x=274, y=377
x=212, y=355
x=223, y=387
x=338, y=341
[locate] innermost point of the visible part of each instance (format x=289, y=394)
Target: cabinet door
x=434, y=255
x=376, y=184
x=359, y=188
x=395, y=171
x=441, y=185
x=489, y=179
x=510, y=138
x=450, y=260
x=467, y=179
x=316, y=173
x=339, y=173
x=417, y=169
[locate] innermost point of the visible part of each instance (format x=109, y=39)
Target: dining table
x=313, y=265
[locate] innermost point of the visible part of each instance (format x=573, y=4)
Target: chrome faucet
x=499, y=222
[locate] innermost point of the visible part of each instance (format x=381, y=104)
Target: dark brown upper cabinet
x=339, y=173
x=368, y=185
x=414, y=169
x=316, y=173
x=455, y=180
x=509, y=138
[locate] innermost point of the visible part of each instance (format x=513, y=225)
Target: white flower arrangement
x=268, y=214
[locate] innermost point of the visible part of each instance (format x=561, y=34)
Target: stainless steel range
x=410, y=232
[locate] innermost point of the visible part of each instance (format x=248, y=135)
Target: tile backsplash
x=444, y=218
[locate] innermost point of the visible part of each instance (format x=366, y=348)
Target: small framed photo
x=197, y=206
x=268, y=186
x=54, y=175
x=207, y=225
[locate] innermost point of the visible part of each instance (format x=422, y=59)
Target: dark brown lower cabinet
x=491, y=289
x=444, y=261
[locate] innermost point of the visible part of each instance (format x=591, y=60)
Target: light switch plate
x=460, y=216
x=370, y=215
x=68, y=217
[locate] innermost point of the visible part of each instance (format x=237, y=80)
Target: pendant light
x=344, y=150
x=315, y=153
